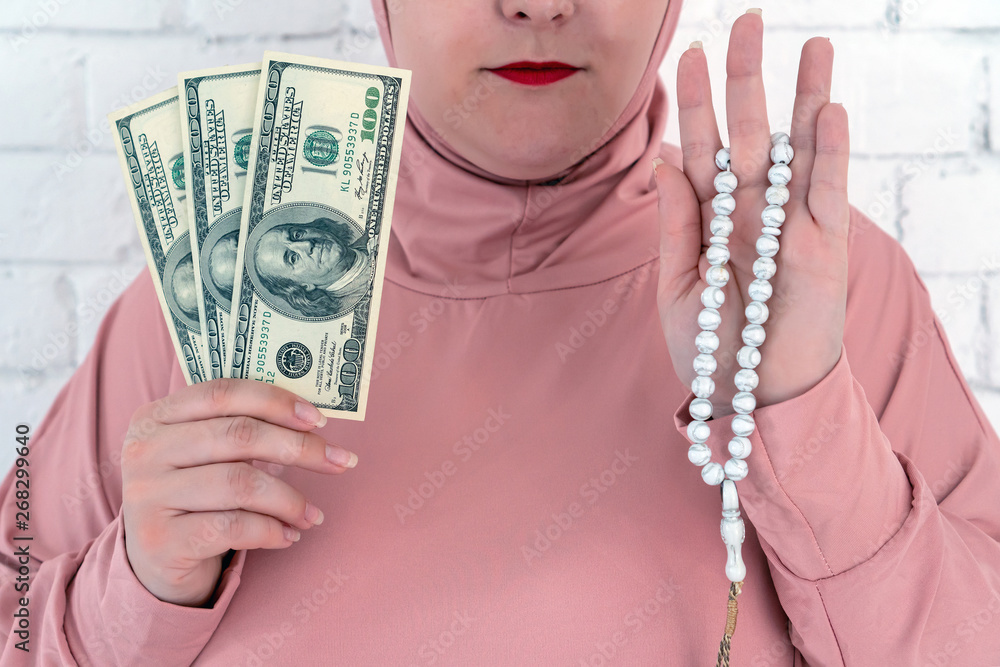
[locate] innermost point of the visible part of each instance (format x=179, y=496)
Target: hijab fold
x=463, y=232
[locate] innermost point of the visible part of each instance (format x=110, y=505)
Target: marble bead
x=699, y=454
x=717, y=275
x=713, y=474
x=767, y=245
x=753, y=336
x=739, y=446
x=709, y=319
x=747, y=357
x=699, y=432
x=746, y=379
x=717, y=255
x=723, y=204
x=707, y=342
x=705, y=364
x=725, y=181
x=764, y=268
x=743, y=425
x=773, y=216
x=712, y=297
x=736, y=469
x=777, y=195
x=721, y=225
x=782, y=153
x=721, y=240
x=779, y=174
x=700, y=408
x=756, y=312
x=773, y=231
x=760, y=290
x=703, y=387
x=722, y=159
x=780, y=138
x=744, y=402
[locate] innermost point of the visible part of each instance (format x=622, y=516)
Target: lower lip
x=535, y=77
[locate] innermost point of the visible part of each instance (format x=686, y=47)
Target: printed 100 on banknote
x=316, y=162
x=315, y=228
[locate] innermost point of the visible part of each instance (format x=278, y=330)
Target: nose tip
x=539, y=10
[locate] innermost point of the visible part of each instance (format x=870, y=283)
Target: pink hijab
x=467, y=233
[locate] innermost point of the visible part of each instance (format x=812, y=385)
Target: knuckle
x=295, y=448
x=220, y=393
x=151, y=536
x=242, y=479
x=693, y=150
x=236, y=528
x=242, y=432
x=749, y=127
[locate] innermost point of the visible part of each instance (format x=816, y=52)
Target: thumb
x=680, y=231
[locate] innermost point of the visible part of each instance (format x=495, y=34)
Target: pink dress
x=523, y=495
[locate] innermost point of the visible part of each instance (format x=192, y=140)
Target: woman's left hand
x=805, y=328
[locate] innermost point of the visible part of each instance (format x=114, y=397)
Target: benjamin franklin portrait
x=319, y=267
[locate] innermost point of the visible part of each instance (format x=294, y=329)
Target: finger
x=242, y=439
x=828, y=186
x=225, y=398
x=235, y=486
x=746, y=106
x=812, y=93
x=207, y=534
x=699, y=129
x=680, y=233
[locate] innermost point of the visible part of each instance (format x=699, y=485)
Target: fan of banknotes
x=263, y=194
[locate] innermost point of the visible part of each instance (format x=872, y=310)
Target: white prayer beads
x=753, y=335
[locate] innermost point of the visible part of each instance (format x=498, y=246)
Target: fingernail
x=656, y=164
x=341, y=457
x=308, y=413
x=695, y=45
x=291, y=534
x=313, y=514
x=754, y=10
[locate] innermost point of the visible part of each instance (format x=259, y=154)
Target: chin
x=529, y=159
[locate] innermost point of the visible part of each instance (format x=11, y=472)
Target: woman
x=523, y=495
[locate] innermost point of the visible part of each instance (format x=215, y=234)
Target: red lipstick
x=536, y=74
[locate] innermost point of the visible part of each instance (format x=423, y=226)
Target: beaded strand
x=753, y=335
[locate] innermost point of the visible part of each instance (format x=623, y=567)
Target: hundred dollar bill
x=216, y=116
x=315, y=227
x=148, y=139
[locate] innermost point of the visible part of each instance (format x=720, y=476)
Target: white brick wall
x=920, y=79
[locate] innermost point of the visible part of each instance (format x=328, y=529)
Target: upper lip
x=527, y=64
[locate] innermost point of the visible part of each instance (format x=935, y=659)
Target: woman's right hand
x=190, y=493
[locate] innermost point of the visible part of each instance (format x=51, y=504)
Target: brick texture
x=920, y=80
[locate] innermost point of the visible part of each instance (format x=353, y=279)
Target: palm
x=806, y=320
